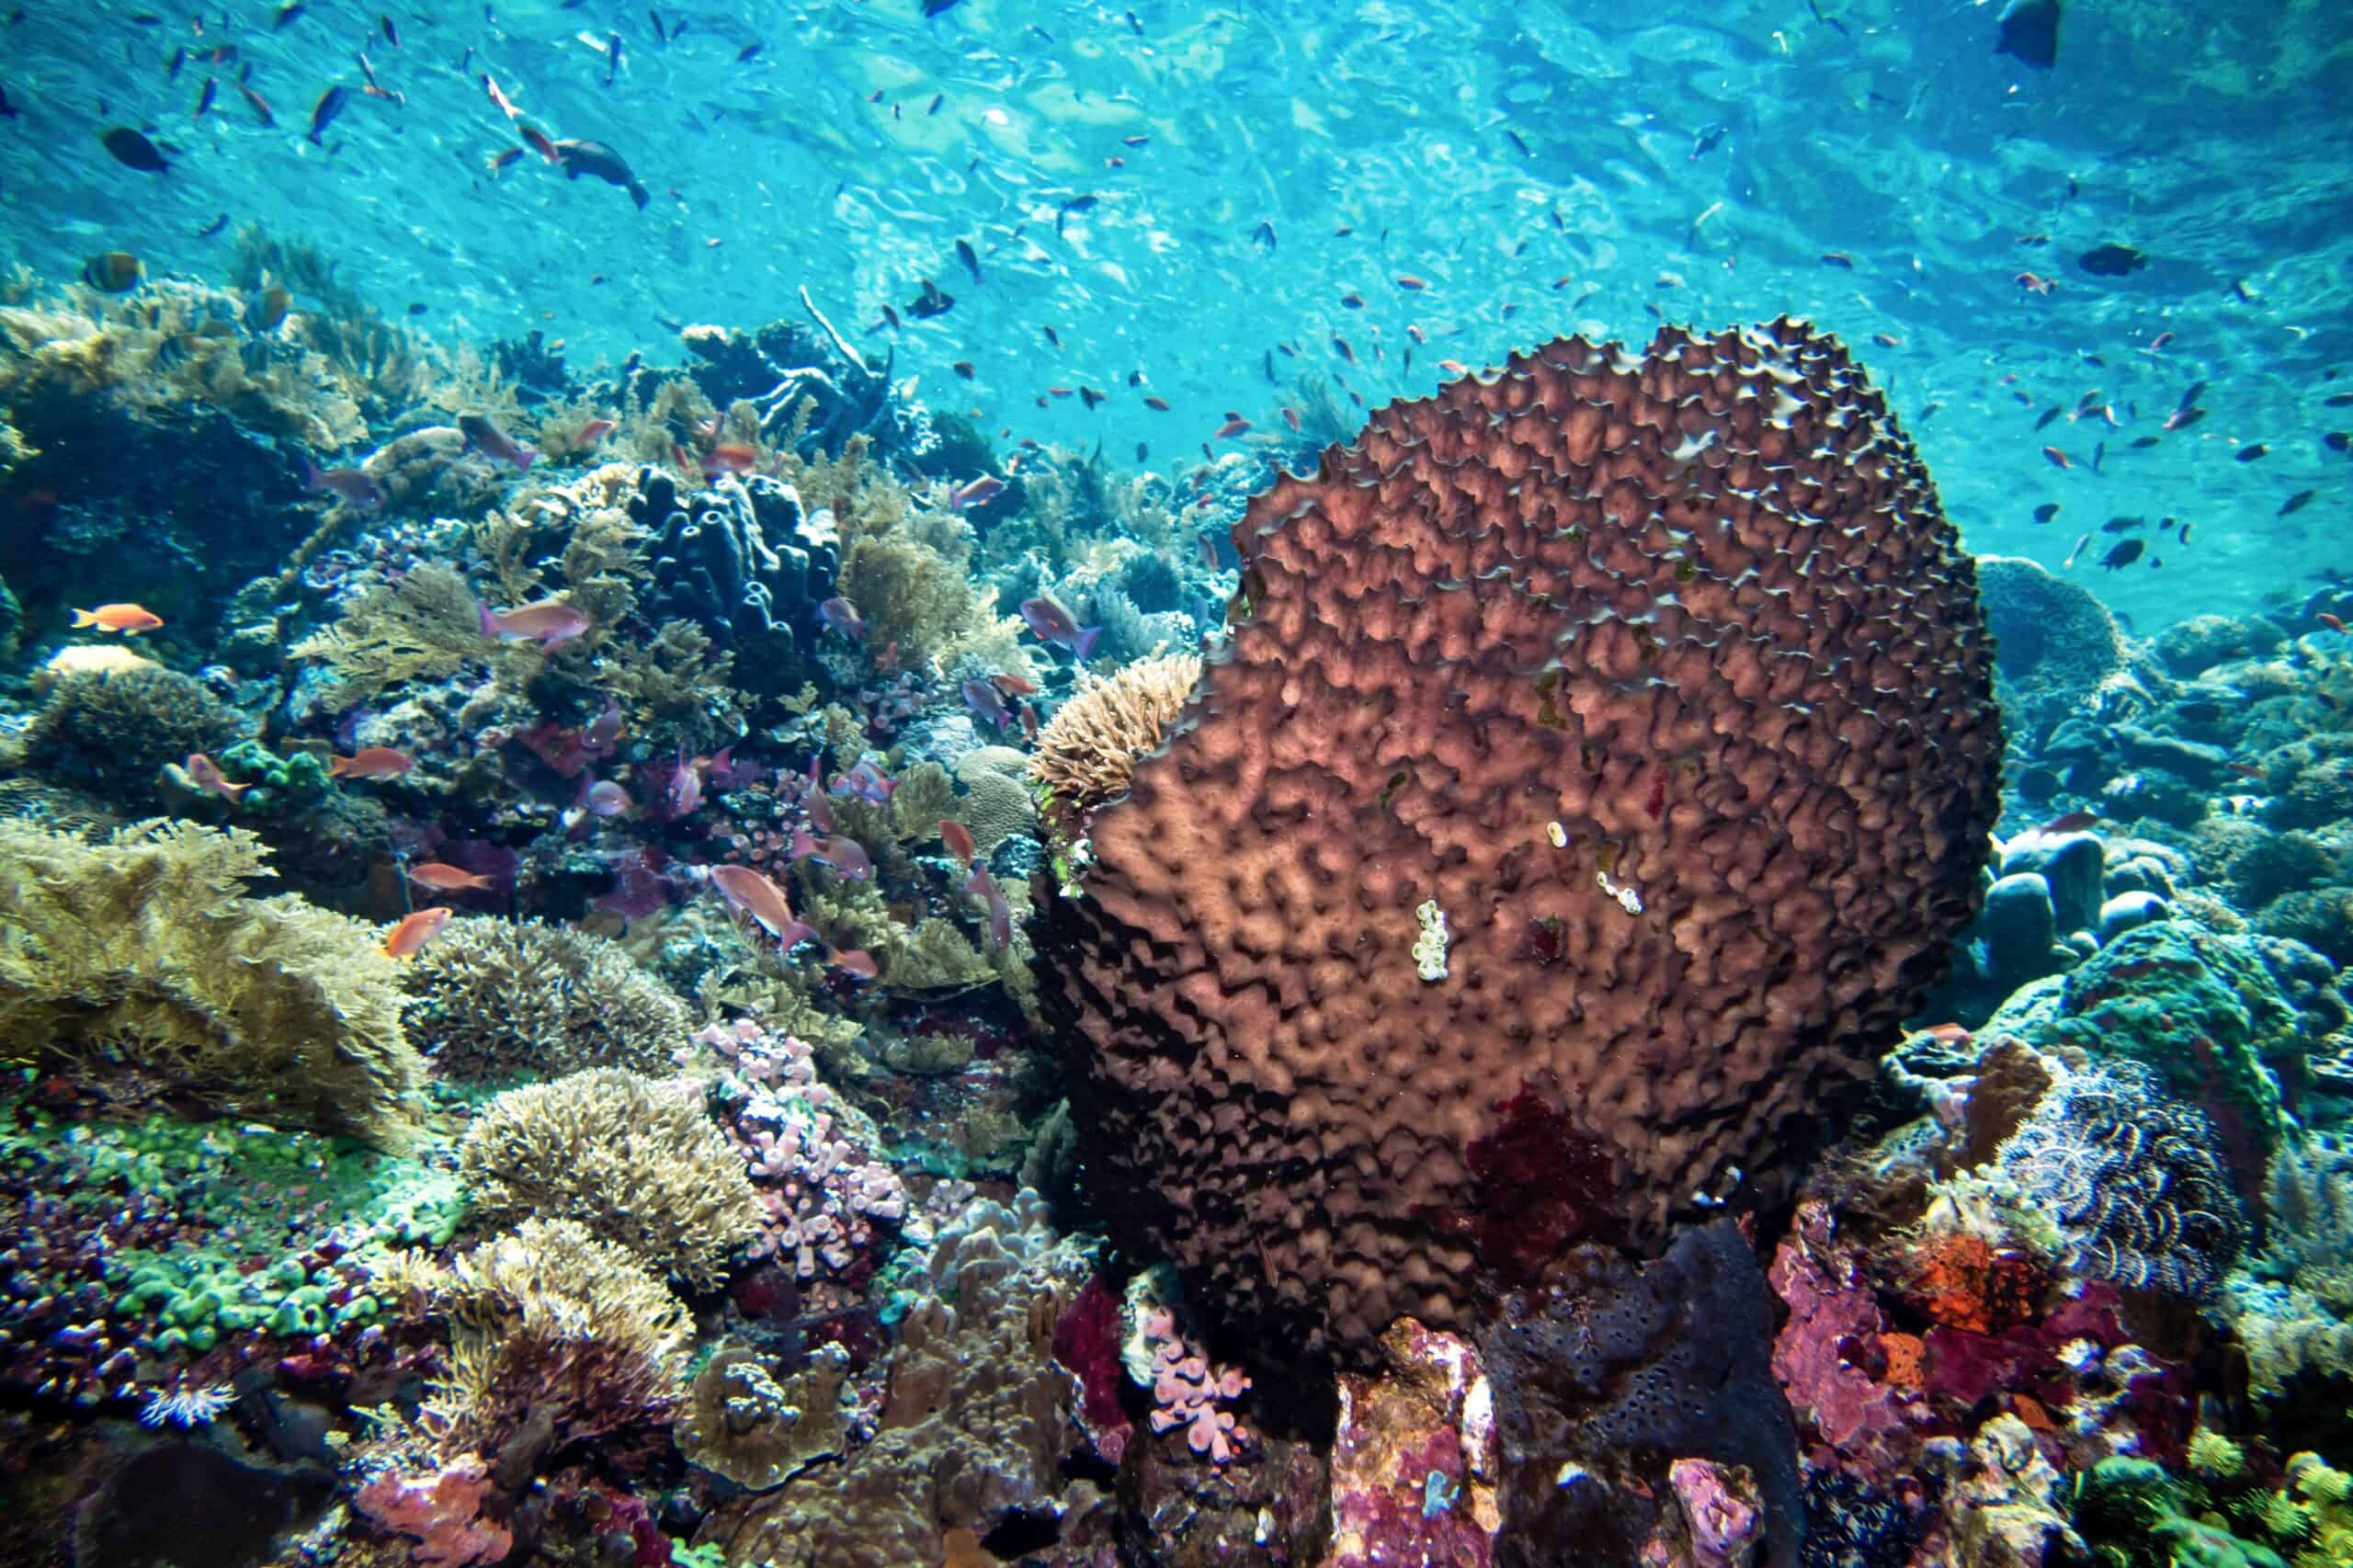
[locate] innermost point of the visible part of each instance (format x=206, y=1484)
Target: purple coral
x=821, y=1192
x=1187, y=1390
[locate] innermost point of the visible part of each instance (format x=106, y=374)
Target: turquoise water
x=1544, y=169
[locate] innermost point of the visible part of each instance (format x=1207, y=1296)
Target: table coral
x=140, y=950
x=636, y=1161
x=1695, y=605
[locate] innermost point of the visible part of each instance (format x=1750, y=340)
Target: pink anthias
x=1187, y=1390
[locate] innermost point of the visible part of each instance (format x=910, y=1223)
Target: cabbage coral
x=141, y=950
x=633, y=1160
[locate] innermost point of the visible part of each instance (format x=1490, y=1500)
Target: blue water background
x=1378, y=141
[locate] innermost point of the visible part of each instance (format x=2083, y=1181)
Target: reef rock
x=1613, y=739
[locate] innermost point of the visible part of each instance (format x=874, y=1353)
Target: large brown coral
x=1642, y=703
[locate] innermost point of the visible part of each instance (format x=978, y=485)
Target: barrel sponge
x=1663, y=675
x=141, y=950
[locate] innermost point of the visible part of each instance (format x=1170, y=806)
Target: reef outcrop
x=1657, y=684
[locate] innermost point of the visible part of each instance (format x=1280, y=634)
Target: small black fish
x=1831, y=22
x=1051, y=335
x=1264, y=234
x=172, y=67
x=213, y=227
x=391, y=33
x=1090, y=397
x=415, y=308
x=133, y=151
x=2297, y=502
x=2123, y=525
x=748, y=52
x=2185, y=533
x=933, y=8
x=2112, y=261
x=2143, y=443
x=1268, y=365
x=330, y=105
x=964, y=254
x=204, y=97
x=2048, y=415
x=1075, y=204
x=1516, y=140
x=2047, y=511
x=1705, y=142
x=612, y=57
x=2249, y=454
x=933, y=302
x=2028, y=32
x=7, y=109
x=286, y=14
x=659, y=36
x=2124, y=554
x=2099, y=456
x=2337, y=400
x=2338, y=441
x=1142, y=451
x=937, y=100
x=1138, y=28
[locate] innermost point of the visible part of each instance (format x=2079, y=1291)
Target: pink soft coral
x=1187, y=1392
x=442, y=1510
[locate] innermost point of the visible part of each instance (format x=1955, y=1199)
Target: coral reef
x=2053, y=637
x=1682, y=932
x=492, y=1000
x=740, y=1422
x=140, y=954
x=744, y=561
x=634, y=1161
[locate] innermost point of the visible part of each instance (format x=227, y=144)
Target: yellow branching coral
x=495, y=998
x=635, y=1161
x=143, y=948
x=1088, y=750
x=427, y=626
x=548, y=1325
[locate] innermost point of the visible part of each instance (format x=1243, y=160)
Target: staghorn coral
x=552, y=1327
x=742, y=1423
x=2133, y=1179
x=633, y=1160
x=114, y=729
x=491, y=998
x=140, y=950
x=1694, y=610
x=1089, y=749
x=424, y=626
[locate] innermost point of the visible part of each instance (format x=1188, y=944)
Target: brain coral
x=1697, y=607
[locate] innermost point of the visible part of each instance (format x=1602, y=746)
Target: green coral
x=2133, y=1515
x=278, y=784
x=142, y=951
x=115, y=729
x=635, y=1161
x=2199, y=1009
x=241, y=1200
x=495, y=999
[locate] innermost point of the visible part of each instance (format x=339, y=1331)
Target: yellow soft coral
x=143, y=948
x=1087, y=753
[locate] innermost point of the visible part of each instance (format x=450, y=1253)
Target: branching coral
x=115, y=728
x=426, y=626
x=1087, y=752
x=142, y=950
x=633, y=1160
x=496, y=998
x=553, y=1327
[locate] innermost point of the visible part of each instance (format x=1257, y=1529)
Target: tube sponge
x=141, y=949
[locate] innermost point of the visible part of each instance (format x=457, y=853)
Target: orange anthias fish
x=129, y=619
x=549, y=622
x=958, y=838
x=753, y=894
x=207, y=777
x=370, y=762
x=413, y=932
x=857, y=962
x=440, y=877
